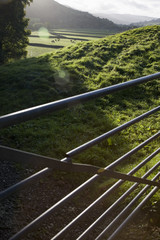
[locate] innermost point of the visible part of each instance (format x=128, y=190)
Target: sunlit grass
x=37, y=51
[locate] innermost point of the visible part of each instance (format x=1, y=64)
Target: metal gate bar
x=55, y=164
x=106, y=194
x=59, y=204
x=125, y=210
x=118, y=201
x=50, y=164
x=34, y=112
x=155, y=189
x=110, y=133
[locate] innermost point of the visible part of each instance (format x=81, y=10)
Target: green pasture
x=48, y=41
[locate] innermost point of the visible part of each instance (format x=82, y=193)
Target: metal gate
x=47, y=164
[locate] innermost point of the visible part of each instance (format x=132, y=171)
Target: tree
x=13, y=33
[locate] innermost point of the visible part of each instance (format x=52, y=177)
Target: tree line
x=13, y=30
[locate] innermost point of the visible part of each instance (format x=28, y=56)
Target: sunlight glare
x=43, y=33
x=62, y=80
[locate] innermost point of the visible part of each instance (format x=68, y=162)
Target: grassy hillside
x=76, y=69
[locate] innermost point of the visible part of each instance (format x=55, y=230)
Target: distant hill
x=54, y=15
x=124, y=18
x=148, y=23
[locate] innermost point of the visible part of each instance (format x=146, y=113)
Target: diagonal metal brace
x=125, y=177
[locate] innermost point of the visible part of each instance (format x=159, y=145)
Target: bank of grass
x=76, y=69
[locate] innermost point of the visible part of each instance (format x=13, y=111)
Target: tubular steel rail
x=49, y=164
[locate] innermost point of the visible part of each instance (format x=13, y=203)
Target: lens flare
x=62, y=80
x=43, y=32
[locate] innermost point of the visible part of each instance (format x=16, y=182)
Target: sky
x=149, y=8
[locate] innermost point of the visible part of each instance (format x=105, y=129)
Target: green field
x=45, y=42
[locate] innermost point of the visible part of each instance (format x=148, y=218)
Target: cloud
x=104, y=6
x=136, y=7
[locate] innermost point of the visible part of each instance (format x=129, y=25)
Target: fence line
x=33, y=112
x=50, y=164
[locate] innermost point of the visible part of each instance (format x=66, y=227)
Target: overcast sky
x=135, y=7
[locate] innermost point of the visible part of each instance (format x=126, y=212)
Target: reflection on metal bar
x=91, y=143
x=31, y=113
x=18, y=186
x=85, y=234
x=67, y=165
x=135, y=211
x=125, y=210
x=35, y=159
x=42, y=161
x=134, y=150
x=59, y=204
x=125, y=177
x=109, y=191
x=47, y=213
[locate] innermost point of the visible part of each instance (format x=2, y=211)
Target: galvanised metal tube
x=52, y=164
x=125, y=177
x=85, y=234
x=91, y=143
x=49, y=162
x=33, y=159
x=134, y=150
x=33, y=112
x=154, y=190
x=20, y=185
x=38, y=220
x=61, y=234
x=124, y=211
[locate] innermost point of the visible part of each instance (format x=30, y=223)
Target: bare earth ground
x=23, y=207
